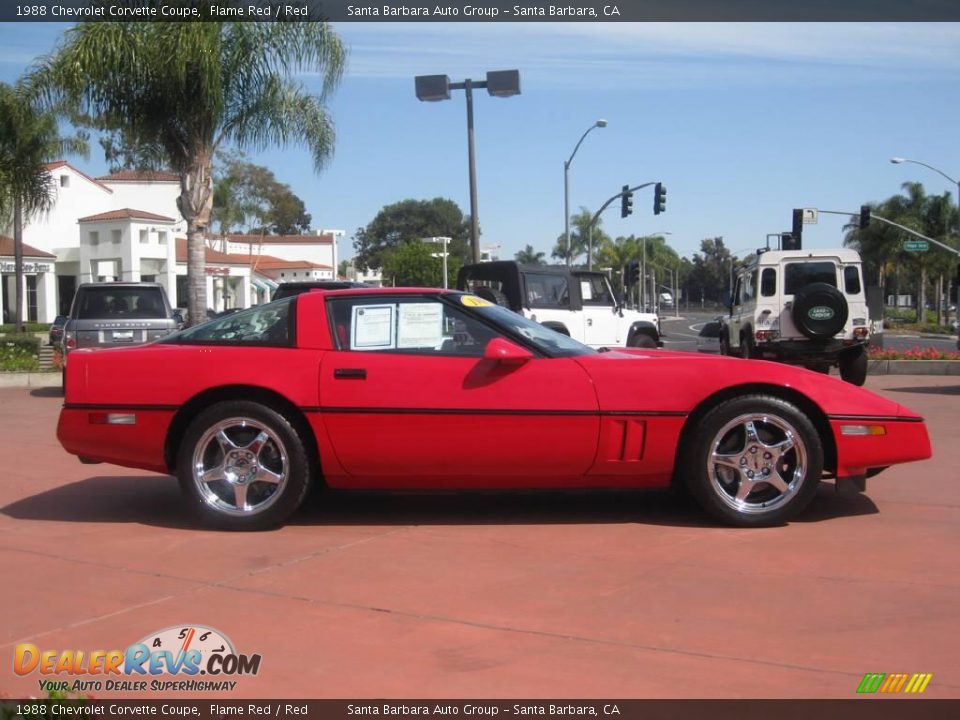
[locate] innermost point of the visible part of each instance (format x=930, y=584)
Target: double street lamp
x=432, y=88
x=566, y=186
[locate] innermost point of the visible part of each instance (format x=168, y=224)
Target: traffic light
x=659, y=199
x=789, y=241
x=631, y=272
x=626, y=201
x=864, y=217
x=797, y=232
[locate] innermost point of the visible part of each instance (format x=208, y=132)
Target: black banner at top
x=481, y=10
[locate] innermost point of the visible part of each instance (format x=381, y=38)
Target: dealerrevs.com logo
x=198, y=657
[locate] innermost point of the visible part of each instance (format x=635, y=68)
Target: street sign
x=810, y=216
x=916, y=245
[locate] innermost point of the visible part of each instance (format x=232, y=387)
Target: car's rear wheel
x=853, y=367
x=724, y=343
x=642, y=340
x=243, y=466
x=755, y=461
x=747, y=350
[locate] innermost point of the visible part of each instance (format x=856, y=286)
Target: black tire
x=725, y=343
x=793, y=475
x=820, y=368
x=642, y=340
x=747, y=349
x=819, y=311
x=265, y=452
x=853, y=367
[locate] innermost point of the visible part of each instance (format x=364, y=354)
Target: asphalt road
x=681, y=334
x=503, y=595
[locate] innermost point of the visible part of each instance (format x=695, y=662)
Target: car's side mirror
x=504, y=351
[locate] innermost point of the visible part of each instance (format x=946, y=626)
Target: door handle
x=350, y=374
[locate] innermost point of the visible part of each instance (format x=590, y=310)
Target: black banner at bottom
x=872, y=709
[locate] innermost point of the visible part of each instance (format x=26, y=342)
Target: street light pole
x=500, y=83
x=566, y=187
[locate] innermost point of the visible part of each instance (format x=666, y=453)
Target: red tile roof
x=281, y=239
x=57, y=164
x=140, y=176
x=6, y=249
x=260, y=262
x=125, y=214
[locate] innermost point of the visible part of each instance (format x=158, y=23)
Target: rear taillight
x=765, y=335
x=861, y=332
x=70, y=341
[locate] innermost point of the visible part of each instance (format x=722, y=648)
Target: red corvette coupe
x=428, y=389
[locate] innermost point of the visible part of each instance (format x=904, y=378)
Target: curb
x=29, y=379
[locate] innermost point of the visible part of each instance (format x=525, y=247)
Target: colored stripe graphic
x=871, y=682
x=892, y=683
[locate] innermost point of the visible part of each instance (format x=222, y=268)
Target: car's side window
x=749, y=280
x=595, y=291
x=768, y=282
x=737, y=292
x=851, y=279
x=411, y=325
x=547, y=291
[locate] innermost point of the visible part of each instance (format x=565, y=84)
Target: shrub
x=19, y=353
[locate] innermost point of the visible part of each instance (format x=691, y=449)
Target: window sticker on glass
x=420, y=325
x=474, y=301
x=586, y=289
x=372, y=327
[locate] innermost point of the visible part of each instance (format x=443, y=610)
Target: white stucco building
x=126, y=226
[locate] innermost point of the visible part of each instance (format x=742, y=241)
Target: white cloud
x=574, y=54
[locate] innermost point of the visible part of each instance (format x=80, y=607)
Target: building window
x=116, y=236
x=144, y=237
x=64, y=181
x=162, y=237
x=94, y=237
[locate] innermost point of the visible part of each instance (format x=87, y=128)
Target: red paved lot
x=551, y=596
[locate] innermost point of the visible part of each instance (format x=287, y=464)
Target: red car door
x=415, y=417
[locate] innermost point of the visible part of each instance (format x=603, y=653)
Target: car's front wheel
x=755, y=461
x=243, y=466
x=642, y=340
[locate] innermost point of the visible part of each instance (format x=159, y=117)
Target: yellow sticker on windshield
x=474, y=301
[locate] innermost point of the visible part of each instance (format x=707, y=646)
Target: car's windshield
x=546, y=340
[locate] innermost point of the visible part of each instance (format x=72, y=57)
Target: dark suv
x=117, y=314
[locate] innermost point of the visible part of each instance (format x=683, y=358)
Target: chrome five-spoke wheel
x=240, y=466
x=244, y=465
x=755, y=460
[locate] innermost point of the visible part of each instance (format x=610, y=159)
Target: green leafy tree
x=194, y=87
x=529, y=256
x=248, y=197
x=710, y=272
x=29, y=138
x=409, y=220
x=412, y=263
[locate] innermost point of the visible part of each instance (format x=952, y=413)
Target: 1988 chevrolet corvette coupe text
x=428, y=389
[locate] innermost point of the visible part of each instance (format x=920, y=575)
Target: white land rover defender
x=578, y=303
x=803, y=307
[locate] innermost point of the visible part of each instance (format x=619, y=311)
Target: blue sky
x=741, y=121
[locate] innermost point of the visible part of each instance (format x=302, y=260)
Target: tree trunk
x=196, y=205
x=18, y=262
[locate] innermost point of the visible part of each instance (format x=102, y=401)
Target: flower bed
x=914, y=353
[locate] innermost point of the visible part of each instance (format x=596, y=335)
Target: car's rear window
x=798, y=275
x=143, y=303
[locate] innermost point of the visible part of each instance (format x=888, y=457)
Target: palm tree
x=192, y=88
x=29, y=138
x=529, y=256
x=580, y=233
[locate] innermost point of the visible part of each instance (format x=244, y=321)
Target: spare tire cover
x=819, y=311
